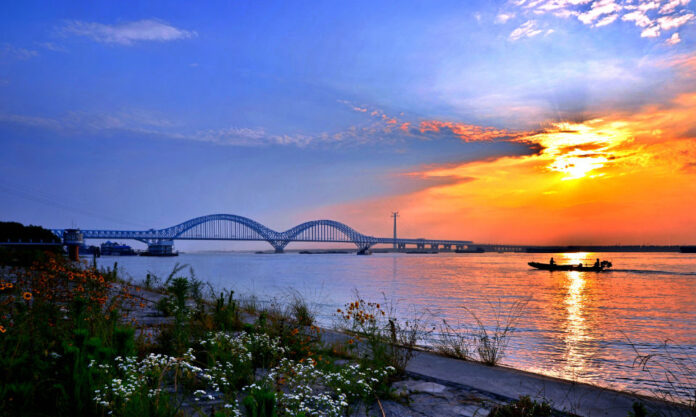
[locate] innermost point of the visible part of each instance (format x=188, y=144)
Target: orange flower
x=26, y=296
x=8, y=285
x=2, y=329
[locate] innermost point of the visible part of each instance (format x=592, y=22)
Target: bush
x=524, y=407
x=54, y=319
x=300, y=310
x=389, y=342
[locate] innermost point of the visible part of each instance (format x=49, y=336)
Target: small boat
x=604, y=266
x=476, y=250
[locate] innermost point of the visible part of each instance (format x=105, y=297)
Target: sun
x=576, y=167
x=578, y=149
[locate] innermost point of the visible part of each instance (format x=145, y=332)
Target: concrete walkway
x=577, y=398
x=502, y=383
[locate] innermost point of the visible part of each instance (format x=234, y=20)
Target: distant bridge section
x=233, y=227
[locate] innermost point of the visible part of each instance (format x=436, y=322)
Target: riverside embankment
x=435, y=385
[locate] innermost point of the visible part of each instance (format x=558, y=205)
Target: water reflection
x=575, y=327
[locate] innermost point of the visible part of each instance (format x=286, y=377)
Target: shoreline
x=500, y=382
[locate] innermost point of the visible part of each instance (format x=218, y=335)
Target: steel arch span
x=234, y=227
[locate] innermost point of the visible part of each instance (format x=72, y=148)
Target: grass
x=491, y=340
x=455, y=343
x=378, y=337
x=69, y=348
x=488, y=340
x=300, y=310
x=672, y=364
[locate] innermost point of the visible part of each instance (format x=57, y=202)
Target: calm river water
x=576, y=326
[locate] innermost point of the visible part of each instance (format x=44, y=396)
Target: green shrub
x=260, y=402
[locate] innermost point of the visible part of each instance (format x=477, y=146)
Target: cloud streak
x=527, y=30
x=127, y=33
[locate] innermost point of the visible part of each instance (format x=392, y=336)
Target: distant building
x=115, y=249
x=160, y=248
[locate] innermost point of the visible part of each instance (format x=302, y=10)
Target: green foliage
x=226, y=313
x=260, y=402
x=639, y=410
x=300, y=310
x=524, y=407
x=56, y=319
x=389, y=342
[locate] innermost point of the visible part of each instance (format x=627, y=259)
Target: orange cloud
x=626, y=179
x=466, y=132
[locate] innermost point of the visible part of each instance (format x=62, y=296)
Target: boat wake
x=650, y=271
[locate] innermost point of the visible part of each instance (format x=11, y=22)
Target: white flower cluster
x=300, y=386
x=242, y=345
x=131, y=379
x=358, y=382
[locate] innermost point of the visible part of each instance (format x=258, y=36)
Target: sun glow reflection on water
x=578, y=325
x=575, y=327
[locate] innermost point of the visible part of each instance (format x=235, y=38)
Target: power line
x=47, y=200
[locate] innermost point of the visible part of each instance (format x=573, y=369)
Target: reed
x=492, y=340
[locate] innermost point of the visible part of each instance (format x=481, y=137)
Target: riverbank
x=436, y=385
x=104, y=345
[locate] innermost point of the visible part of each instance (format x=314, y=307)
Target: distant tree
x=24, y=255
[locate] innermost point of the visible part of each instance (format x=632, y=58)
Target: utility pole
x=395, y=214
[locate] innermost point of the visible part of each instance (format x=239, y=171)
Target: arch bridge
x=233, y=227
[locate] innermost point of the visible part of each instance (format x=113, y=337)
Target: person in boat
x=552, y=262
x=596, y=264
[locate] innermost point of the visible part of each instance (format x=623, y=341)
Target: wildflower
x=26, y=296
x=2, y=329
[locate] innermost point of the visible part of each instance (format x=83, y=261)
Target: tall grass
x=672, y=364
x=492, y=339
x=301, y=311
x=456, y=343
x=388, y=340
x=488, y=340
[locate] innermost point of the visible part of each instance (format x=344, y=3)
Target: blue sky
x=155, y=113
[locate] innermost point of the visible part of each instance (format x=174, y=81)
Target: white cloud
x=527, y=30
x=18, y=53
x=598, y=9
x=651, y=32
x=502, y=18
x=649, y=5
x=673, y=40
x=673, y=22
x=607, y=20
x=653, y=17
x=129, y=32
x=52, y=46
x=672, y=5
x=640, y=18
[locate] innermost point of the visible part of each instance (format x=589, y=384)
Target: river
x=578, y=326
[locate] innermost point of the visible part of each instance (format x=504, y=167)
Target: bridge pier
x=420, y=245
x=279, y=250
x=434, y=246
x=447, y=247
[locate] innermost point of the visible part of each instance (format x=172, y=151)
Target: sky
x=519, y=122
